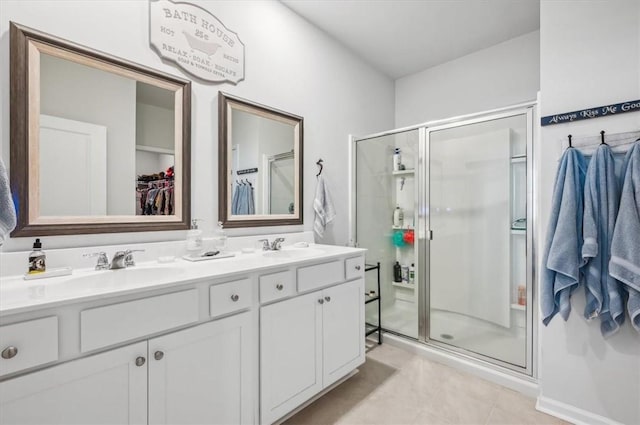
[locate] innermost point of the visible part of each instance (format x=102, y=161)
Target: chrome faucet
x=103, y=261
x=276, y=245
x=123, y=259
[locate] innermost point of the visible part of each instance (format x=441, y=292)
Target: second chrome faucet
x=276, y=245
x=121, y=259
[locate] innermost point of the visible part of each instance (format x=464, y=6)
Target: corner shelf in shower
x=518, y=231
x=404, y=285
x=515, y=306
x=403, y=172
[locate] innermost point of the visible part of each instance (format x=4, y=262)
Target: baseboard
x=571, y=413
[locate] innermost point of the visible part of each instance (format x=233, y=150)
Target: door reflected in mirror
x=260, y=157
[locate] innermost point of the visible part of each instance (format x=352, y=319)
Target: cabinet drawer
x=354, y=267
x=229, y=297
x=28, y=344
x=320, y=275
x=103, y=326
x=276, y=286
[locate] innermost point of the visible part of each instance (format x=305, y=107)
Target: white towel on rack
x=7, y=209
x=322, y=207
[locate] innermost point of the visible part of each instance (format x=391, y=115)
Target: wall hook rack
x=319, y=164
x=602, y=137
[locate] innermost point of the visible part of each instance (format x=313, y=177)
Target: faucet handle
x=103, y=260
x=128, y=259
x=265, y=244
x=276, y=245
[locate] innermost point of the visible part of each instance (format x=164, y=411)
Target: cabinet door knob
x=320, y=301
x=327, y=299
x=279, y=286
x=158, y=355
x=9, y=352
x=235, y=297
x=140, y=361
x=357, y=267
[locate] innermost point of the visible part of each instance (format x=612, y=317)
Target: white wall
x=498, y=76
x=590, y=54
x=290, y=65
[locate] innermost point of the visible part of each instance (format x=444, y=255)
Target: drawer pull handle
x=158, y=355
x=357, y=267
x=235, y=297
x=327, y=299
x=140, y=361
x=320, y=301
x=9, y=352
x=279, y=286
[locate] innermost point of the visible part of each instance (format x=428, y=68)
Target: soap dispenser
x=219, y=237
x=37, y=259
x=194, y=239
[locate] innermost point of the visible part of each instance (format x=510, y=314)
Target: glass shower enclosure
x=464, y=248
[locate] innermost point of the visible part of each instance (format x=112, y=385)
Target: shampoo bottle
x=397, y=272
x=412, y=273
x=37, y=259
x=398, y=217
x=396, y=159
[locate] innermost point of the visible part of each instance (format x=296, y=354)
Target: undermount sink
x=293, y=253
x=104, y=280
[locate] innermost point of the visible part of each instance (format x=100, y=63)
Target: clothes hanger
x=319, y=164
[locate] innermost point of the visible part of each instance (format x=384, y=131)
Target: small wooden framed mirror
x=260, y=164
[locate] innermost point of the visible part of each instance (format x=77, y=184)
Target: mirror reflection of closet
x=260, y=164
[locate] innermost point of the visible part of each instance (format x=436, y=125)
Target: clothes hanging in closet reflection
x=154, y=200
x=243, y=201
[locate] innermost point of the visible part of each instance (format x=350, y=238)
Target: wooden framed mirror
x=260, y=164
x=98, y=144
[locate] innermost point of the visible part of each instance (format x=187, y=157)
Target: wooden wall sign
x=196, y=41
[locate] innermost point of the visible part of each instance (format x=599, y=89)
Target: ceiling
x=402, y=37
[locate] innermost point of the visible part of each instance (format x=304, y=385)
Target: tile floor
x=397, y=387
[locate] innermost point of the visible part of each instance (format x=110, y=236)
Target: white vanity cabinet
x=310, y=341
x=109, y=388
x=203, y=375
x=243, y=346
x=198, y=375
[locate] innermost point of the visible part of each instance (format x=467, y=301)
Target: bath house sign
x=196, y=41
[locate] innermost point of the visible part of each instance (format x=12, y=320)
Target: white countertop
x=18, y=295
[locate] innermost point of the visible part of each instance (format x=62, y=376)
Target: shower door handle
x=430, y=235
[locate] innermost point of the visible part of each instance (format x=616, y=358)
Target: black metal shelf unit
x=369, y=298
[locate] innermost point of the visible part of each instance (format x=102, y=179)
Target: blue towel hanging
x=601, y=201
x=562, y=255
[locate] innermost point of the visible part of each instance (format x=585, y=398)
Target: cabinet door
x=203, y=375
x=290, y=354
x=107, y=388
x=343, y=330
